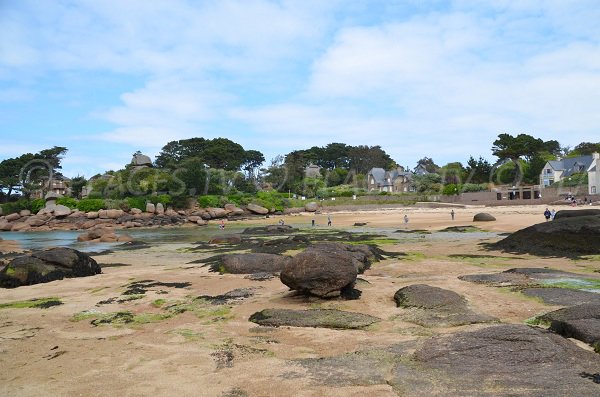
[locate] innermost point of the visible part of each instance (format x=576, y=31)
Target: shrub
x=164, y=199
x=180, y=202
x=67, y=202
x=90, y=204
x=36, y=205
x=116, y=204
x=138, y=202
x=451, y=189
x=271, y=199
x=15, y=206
x=209, y=201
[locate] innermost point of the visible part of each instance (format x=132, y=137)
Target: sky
x=419, y=78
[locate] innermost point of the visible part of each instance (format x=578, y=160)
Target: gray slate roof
x=572, y=165
x=378, y=174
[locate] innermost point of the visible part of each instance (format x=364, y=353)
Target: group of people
x=549, y=215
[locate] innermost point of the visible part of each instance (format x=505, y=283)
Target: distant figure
x=547, y=214
x=222, y=225
x=313, y=222
x=452, y=214
x=405, y=220
x=585, y=200
x=281, y=222
x=552, y=214
x=328, y=220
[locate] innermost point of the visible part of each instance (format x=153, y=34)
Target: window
x=593, y=190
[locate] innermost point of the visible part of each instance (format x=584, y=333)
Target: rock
x=124, y=238
x=110, y=214
x=232, y=209
x=52, y=197
x=501, y=360
x=311, y=207
x=5, y=226
x=59, y=211
x=361, y=255
x=567, y=237
x=193, y=218
x=269, y=229
x=433, y=306
x=48, y=265
x=483, y=217
x=562, y=296
x=24, y=212
x=319, y=273
x=253, y=263
x=575, y=213
x=150, y=208
x=216, y=213
x=76, y=214
x=319, y=318
x=109, y=238
x=201, y=222
x=226, y=239
x=20, y=227
x=12, y=217
x=257, y=209
x=521, y=276
x=37, y=220
x=260, y=276
x=360, y=223
x=170, y=212
x=92, y=215
x=581, y=322
x=135, y=211
x=160, y=209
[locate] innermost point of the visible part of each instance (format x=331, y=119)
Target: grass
x=159, y=302
x=412, y=256
x=188, y=334
x=37, y=303
x=119, y=318
x=573, y=283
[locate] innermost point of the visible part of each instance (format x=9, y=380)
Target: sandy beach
x=214, y=350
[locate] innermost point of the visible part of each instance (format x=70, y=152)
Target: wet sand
x=217, y=351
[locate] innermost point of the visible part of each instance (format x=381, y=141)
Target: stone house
x=397, y=180
x=312, y=171
x=594, y=175
x=557, y=170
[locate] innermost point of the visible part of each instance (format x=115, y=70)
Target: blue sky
x=420, y=78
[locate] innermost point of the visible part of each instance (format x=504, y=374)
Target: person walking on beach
x=552, y=214
x=222, y=225
x=313, y=222
x=405, y=220
x=452, y=214
x=547, y=214
x=328, y=220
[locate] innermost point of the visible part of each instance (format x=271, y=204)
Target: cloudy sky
x=420, y=78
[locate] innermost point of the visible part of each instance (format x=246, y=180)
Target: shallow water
x=157, y=236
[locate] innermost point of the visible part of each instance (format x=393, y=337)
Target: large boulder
x=5, y=226
x=311, y=207
x=37, y=220
x=59, y=210
x=575, y=213
x=12, y=217
x=269, y=229
x=150, y=208
x=571, y=236
x=24, y=212
x=226, y=239
x=232, y=209
x=253, y=263
x=160, y=209
x=433, y=306
x=321, y=273
x=361, y=254
x=483, y=217
x=217, y=213
x=257, y=209
x=48, y=265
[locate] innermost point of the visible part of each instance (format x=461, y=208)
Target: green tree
x=362, y=158
x=428, y=164
x=585, y=148
x=513, y=148
x=478, y=171
x=77, y=185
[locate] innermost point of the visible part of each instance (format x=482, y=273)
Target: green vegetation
x=188, y=334
x=87, y=205
x=67, y=202
x=37, y=303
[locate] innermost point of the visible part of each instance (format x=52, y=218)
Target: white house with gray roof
x=594, y=175
x=397, y=180
x=557, y=170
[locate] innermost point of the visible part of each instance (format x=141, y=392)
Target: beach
x=214, y=350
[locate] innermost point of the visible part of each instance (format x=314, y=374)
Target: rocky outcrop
x=269, y=229
x=318, y=318
x=483, y=217
x=581, y=322
x=320, y=273
x=150, y=208
x=257, y=209
x=226, y=239
x=104, y=235
x=501, y=360
x=253, y=263
x=569, y=236
x=432, y=306
x=562, y=214
x=360, y=254
x=46, y=266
